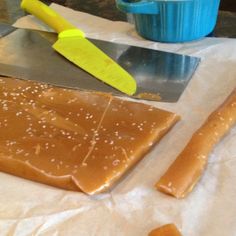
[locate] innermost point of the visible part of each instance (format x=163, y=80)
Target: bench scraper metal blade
x=160, y=76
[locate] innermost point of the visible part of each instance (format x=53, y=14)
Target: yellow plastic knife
x=73, y=45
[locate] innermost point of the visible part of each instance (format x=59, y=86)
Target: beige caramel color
x=187, y=169
x=72, y=139
x=165, y=230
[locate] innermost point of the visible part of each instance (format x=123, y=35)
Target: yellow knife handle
x=48, y=16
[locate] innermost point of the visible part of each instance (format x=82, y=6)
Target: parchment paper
x=134, y=207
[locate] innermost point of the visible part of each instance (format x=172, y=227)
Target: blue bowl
x=172, y=21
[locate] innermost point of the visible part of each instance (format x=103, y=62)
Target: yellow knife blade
x=75, y=47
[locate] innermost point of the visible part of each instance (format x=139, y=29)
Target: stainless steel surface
x=5, y=29
x=28, y=54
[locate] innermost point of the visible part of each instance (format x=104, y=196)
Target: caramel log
x=186, y=170
x=165, y=230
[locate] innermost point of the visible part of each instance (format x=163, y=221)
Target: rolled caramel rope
x=187, y=169
x=165, y=230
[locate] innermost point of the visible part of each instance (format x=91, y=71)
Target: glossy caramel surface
x=73, y=139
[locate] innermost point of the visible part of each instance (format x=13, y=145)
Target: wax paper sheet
x=134, y=207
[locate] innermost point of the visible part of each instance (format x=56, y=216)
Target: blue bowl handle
x=139, y=7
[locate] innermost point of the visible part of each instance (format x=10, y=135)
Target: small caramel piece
x=187, y=169
x=72, y=139
x=165, y=230
x=149, y=96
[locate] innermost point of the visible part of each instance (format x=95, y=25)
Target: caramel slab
x=72, y=139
